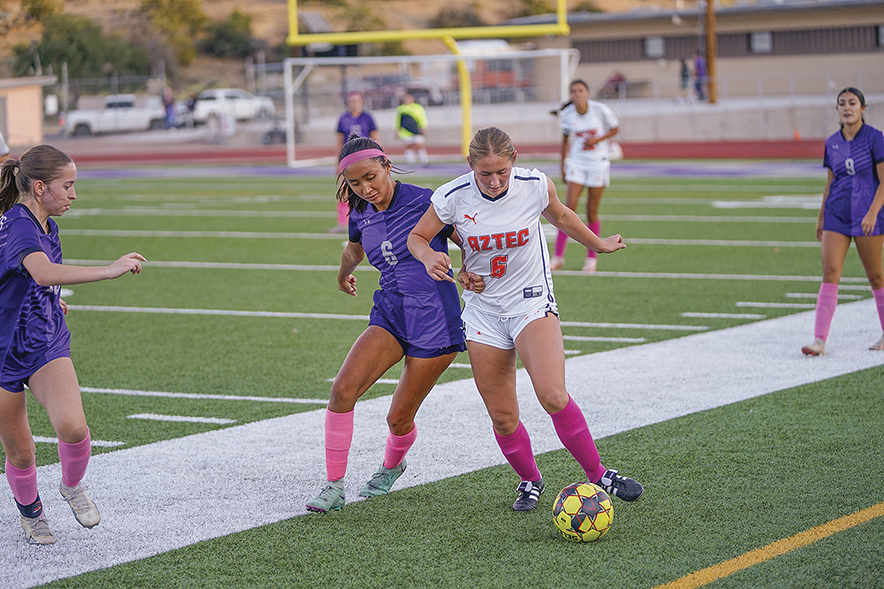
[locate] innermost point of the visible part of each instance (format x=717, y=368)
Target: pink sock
x=595, y=227
x=23, y=482
x=571, y=427
x=338, y=436
x=74, y=459
x=879, y=302
x=343, y=213
x=516, y=449
x=826, y=301
x=561, y=242
x=397, y=447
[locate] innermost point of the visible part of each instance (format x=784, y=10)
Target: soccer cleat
x=817, y=348
x=37, y=529
x=81, y=504
x=589, y=265
x=381, y=481
x=620, y=486
x=878, y=345
x=331, y=498
x=529, y=493
x=556, y=263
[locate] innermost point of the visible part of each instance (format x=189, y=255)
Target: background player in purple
x=413, y=316
x=34, y=339
x=357, y=121
x=851, y=209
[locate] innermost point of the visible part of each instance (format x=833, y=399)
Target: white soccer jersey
x=597, y=120
x=503, y=240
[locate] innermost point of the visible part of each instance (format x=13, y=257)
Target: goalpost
x=297, y=71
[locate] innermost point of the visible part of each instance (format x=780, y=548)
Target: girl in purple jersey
x=413, y=317
x=34, y=340
x=497, y=198
x=851, y=209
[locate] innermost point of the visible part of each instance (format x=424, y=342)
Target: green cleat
x=381, y=481
x=331, y=498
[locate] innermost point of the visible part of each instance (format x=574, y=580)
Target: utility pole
x=710, y=51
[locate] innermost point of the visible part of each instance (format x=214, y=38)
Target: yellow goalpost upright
x=449, y=36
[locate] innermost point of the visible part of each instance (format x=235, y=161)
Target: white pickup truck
x=119, y=114
x=234, y=102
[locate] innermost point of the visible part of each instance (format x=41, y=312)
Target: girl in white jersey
x=586, y=128
x=496, y=211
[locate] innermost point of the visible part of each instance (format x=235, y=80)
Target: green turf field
x=721, y=483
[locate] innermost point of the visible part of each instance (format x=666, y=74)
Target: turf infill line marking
x=197, y=396
x=182, y=418
x=94, y=443
x=284, y=457
x=589, y=338
x=765, y=305
x=200, y=234
x=724, y=315
x=774, y=549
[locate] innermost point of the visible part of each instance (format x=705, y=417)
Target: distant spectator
x=411, y=124
x=169, y=105
x=355, y=120
x=190, y=103
x=685, y=77
x=700, y=75
x=4, y=149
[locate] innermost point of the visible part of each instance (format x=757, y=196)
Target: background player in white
x=586, y=127
x=496, y=211
x=852, y=209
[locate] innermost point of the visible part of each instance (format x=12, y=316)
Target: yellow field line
x=765, y=553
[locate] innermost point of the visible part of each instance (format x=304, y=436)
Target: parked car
x=225, y=101
x=119, y=114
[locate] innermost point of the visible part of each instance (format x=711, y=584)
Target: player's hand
x=64, y=307
x=612, y=244
x=438, y=266
x=471, y=281
x=868, y=223
x=128, y=263
x=348, y=285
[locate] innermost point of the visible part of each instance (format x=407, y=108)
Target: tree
x=180, y=21
x=40, y=9
x=84, y=46
x=229, y=38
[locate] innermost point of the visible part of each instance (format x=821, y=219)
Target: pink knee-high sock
x=338, y=437
x=23, y=482
x=74, y=459
x=561, y=242
x=571, y=427
x=516, y=448
x=826, y=301
x=879, y=302
x=343, y=213
x=595, y=227
x=397, y=447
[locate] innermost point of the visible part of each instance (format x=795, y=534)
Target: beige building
x=21, y=110
x=769, y=48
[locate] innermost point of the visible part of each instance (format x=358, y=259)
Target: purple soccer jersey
x=427, y=311
x=32, y=325
x=855, y=180
x=362, y=125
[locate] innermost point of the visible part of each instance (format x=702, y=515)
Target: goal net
x=505, y=82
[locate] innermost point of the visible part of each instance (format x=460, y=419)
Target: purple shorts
x=16, y=371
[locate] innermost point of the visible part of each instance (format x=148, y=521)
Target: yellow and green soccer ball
x=583, y=512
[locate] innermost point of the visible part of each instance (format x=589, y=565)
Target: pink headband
x=358, y=156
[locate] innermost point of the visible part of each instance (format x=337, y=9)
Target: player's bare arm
x=437, y=263
x=351, y=257
x=46, y=273
x=567, y=220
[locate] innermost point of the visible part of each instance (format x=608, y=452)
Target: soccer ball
x=583, y=512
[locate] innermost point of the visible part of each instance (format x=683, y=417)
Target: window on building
x=761, y=42
x=655, y=47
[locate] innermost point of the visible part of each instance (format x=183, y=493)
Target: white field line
x=721, y=242
x=199, y=396
x=277, y=464
x=763, y=305
x=365, y=267
x=222, y=312
x=706, y=219
x=93, y=443
x=725, y=315
x=378, y=381
x=624, y=340
x=813, y=295
x=180, y=212
x=182, y=418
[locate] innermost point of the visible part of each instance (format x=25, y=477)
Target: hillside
x=270, y=24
